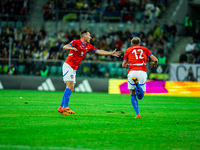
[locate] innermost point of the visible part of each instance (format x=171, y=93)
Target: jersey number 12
x=140, y=51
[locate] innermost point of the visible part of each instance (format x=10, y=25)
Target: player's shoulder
x=75, y=41
x=144, y=48
x=129, y=49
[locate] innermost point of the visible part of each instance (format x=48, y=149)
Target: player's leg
x=69, y=77
x=138, y=90
x=66, y=96
x=132, y=87
x=139, y=79
x=134, y=103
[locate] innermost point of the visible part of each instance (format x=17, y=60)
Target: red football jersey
x=137, y=57
x=75, y=57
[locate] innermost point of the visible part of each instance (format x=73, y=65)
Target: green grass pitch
x=29, y=120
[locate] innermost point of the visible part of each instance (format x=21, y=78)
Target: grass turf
x=29, y=120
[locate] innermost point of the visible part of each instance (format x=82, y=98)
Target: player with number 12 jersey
x=137, y=57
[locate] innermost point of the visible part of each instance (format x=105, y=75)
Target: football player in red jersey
x=78, y=49
x=135, y=58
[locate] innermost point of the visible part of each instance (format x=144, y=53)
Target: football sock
x=66, y=97
x=139, y=91
x=134, y=102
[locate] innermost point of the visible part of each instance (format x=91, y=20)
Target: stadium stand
x=112, y=24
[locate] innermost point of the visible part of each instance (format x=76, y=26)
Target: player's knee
x=71, y=88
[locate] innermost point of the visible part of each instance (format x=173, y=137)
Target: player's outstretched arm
x=114, y=53
x=155, y=61
x=69, y=47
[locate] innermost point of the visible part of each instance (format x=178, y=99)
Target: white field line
x=40, y=147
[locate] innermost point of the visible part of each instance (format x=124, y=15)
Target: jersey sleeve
x=148, y=52
x=73, y=43
x=93, y=49
x=126, y=55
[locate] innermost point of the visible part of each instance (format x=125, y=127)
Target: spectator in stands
x=60, y=54
x=149, y=5
x=128, y=33
x=141, y=34
x=18, y=36
x=26, y=49
x=27, y=29
x=157, y=30
x=183, y=58
x=43, y=31
x=173, y=30
x=190, y=76
x=196, y=36
x=148, y=15
x=191, y=59
x=188, y=25
x=190, y=47
x=35, y=54
x=144, y=42
x=44, y=55
x=162, y=60
x=25, y=7
x=165, y=27
x=54, y=57
x=11, y=34
x=198, y=59
x=118, y=43
x=12, y=70
x=5, y=59
x=47, y=11
x=2, y=47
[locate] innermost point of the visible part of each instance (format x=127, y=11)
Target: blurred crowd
x=15, y=9
x=112, y=10
x=191, y=54
x=30, y=45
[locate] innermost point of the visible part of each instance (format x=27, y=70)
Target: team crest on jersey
x=72, y=76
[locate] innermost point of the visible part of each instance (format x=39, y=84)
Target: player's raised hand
x=116, y=53
x=153, y=64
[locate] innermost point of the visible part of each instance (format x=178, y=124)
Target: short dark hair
x=83, y=32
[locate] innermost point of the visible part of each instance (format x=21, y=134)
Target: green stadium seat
x=19, y=24
x=120, y=71
x=59, y=70
x=121, y=25
x=139, y=16
x=3, y=23
x=5, y=69
x=118, y=65
x=101, y=26
x=110, y=65
x=11, y=22
x=21, y=69
x=112, y=72
x=92, y=27
x=53, y=70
